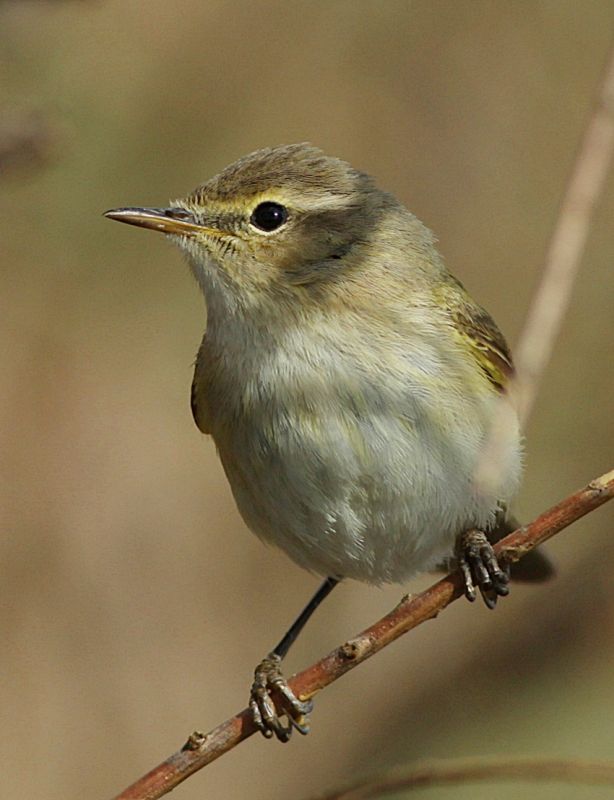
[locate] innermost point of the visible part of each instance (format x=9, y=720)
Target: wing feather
x=488, y=346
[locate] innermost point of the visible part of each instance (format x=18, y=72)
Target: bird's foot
x=270, y=692
x=480, y=568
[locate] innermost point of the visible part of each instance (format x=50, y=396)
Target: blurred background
x=134, y=603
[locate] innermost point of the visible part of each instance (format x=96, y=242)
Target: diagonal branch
x=202, y=749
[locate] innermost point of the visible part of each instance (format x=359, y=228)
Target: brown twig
x=462, y=771
x=202, y=749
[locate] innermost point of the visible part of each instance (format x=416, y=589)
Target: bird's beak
x=177, y=221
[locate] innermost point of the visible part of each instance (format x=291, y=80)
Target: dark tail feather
x=534, y=567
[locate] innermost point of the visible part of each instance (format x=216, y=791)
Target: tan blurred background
x=134, y=602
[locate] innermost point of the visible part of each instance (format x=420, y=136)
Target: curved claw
x=270, y=685
x=480, y=568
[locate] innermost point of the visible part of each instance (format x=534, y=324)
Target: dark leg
x=303, y=618
x=270, y=684
x=480, y=568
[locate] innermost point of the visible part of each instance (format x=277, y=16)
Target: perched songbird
x=348, y=381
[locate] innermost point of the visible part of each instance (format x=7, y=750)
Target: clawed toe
x=270, y=692
x=479, y=566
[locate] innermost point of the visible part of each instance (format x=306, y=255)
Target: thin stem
x=458, y=772
x=561, y=266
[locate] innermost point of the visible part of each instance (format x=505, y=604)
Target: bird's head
x=276, y=220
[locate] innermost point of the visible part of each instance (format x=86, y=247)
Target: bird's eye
x=268, y=216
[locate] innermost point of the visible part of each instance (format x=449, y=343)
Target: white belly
x=377, y=494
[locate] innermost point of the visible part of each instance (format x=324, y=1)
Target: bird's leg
x=480, y=568
x=271, y=698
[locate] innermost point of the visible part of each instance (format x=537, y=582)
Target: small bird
x=348, y=381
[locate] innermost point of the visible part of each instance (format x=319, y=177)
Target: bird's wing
x=197, y=391
x=199, y=418
x=478, y=331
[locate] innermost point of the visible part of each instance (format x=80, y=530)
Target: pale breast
x=356, y=467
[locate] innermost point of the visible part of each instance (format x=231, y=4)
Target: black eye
x=269, y=216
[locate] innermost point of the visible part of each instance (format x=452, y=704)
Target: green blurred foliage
x=134, y=603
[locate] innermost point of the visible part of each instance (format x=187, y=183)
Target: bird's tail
x=534, y=567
